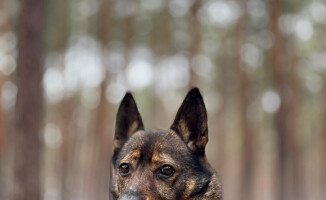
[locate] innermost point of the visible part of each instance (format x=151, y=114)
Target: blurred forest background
x=66, y=64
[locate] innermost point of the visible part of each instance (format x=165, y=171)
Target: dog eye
x=124, y=169
x=167, y=171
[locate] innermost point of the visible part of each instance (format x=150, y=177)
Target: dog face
x=163, y=164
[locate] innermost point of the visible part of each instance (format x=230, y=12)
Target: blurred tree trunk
x=285, y=83
x=276, y=54
x=58, y=19
x=160, y=43
x=5, y=27
x=129, y=31
x=5, y=147
x=2, y=128
x=29, y=113
x=161, y=32
x=66, y=121
x=323, y=152
x=195, y=35
x=3, y=143
x=295, y=154
x=222, y=82
x=103, y=136
x=243, y=91
x=103, y=144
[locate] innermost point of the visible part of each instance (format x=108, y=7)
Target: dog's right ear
x=128, y=121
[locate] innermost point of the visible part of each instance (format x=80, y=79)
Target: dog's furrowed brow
x=162, y=158
x=131, y=157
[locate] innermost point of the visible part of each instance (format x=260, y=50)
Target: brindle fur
x=182, y=146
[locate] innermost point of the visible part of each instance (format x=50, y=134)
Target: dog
x=163, y=164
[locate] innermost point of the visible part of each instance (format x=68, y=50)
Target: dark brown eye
x=124, y=169
x=167, y=170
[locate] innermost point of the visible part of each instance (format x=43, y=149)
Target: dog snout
x=132, y=194
x=126, y=197
x=132, y=197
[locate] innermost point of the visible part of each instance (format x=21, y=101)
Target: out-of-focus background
x=66, y=64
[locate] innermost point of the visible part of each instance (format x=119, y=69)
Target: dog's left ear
x=191, y=122
x=128, y=121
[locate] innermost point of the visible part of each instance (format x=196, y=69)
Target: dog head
x=161, y=164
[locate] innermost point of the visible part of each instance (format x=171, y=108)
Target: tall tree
x=59, y=19
x=160, y=44
x=28, y=120
x=295, y=168
x=243, y=91
x=4, y=28
x=285, y=83
x=194, y=30
x=276, y=53
x=322, y=183
x=102, y=133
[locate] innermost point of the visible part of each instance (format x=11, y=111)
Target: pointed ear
x=191, y=122
x=128, y=121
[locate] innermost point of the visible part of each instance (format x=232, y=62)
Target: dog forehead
x=154, y=142
x=155, y=138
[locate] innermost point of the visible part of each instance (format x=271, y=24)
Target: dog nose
x=128, y=197
x=132, y=194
